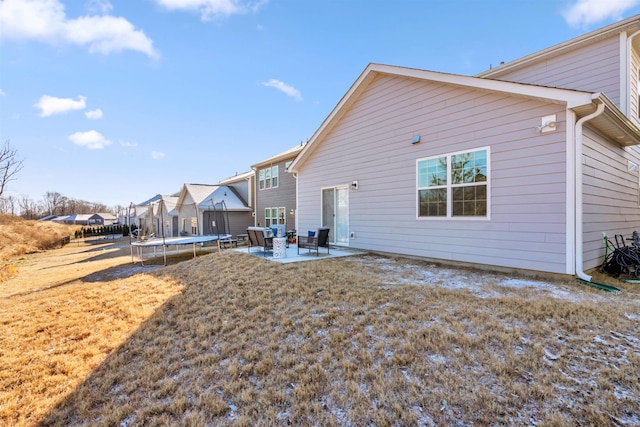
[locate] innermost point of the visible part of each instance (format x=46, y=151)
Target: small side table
x=279, y=247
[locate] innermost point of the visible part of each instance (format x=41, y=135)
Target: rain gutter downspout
x=578, y=220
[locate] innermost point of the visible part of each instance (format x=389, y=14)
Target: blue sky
x=116, y=101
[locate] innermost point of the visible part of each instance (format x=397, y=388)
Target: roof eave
x=632, y=23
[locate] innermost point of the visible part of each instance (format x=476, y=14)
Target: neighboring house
x=75, y=219
x=48, y=218
x=243, y=184
x=200, y=211
x=139, y=215
x=605, y=60
x=472, y=171
x=102, y=219
x=275, y=200
x=164, y=213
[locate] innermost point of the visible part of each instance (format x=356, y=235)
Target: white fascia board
x=630, y=24
x=572, y=98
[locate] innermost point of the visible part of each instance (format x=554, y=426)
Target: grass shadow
x=251, y=342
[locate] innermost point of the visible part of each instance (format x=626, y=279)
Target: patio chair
x=257, y=239
x=319, y=240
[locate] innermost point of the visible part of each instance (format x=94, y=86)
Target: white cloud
x=209, y=9
x=94, y=114
x=91, y=139
x=50, y=105
x=157, y=155
x=46, y=21
x=3, y=93
x=284, y=88
x=585, y=12
x=128, y=144
x=99, y=6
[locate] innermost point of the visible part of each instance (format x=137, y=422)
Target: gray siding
x=593, y=68
x=282, y=196
x=610, y=194
x=372, y=144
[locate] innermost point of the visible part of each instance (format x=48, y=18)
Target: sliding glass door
x=335, y=213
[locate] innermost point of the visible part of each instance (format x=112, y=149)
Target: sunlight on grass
x=231, y=339
x=237, y=340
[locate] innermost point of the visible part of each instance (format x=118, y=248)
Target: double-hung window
x=268, y=177
x=273, y=216
x=454, y=185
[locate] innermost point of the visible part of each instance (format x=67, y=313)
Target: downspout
x=578, y=220
x=625, y=70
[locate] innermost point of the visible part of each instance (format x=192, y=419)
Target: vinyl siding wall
x=188, y=211
x=282, y=196
x=610, y=194
x=594, y=68
x=372, y=144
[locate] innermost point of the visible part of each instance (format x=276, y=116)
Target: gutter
x=578, y=220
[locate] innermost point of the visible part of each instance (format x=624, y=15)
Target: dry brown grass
x=19, y=237
x=232, y=339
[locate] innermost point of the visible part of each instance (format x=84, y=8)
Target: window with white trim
x=453, y=185
x=273, y=216
x=268, y=177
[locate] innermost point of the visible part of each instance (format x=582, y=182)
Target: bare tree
x=28, y=208
x=54, y=203
x=8, y=205
x=10, y=165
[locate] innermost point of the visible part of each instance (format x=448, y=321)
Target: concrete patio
x=305, y=255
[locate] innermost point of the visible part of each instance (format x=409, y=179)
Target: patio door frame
x=335, y=214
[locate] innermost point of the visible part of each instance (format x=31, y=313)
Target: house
x=484, y=170
x=156, y=216
x=211, y=209
x=275, y=197
x=102, y=219
x=75, y=219
x=164, y=213
x=137, y=213
x=243, y=184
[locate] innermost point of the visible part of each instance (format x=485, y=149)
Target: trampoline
x=148, y=238
x=172, y=241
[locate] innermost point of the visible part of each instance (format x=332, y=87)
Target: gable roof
x=103, y=215
x=205, y=196
x=572, y=98
x=288, y=154
x=151, y=200
x=237, y=177
x=631, y=24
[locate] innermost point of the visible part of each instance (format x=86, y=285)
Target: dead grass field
x=233, y=339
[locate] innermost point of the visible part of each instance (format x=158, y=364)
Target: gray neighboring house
x=480, y=171
x=197, y=215
x=102, y=219
x=275, y=195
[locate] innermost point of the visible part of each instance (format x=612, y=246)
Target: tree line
x=52, y=203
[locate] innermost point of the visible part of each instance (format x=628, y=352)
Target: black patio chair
x=319, y=240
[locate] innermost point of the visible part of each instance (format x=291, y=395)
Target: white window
x=453, y=185
x=268, y=178
x=273, y=216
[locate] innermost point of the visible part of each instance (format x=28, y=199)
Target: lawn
x=233, y=339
